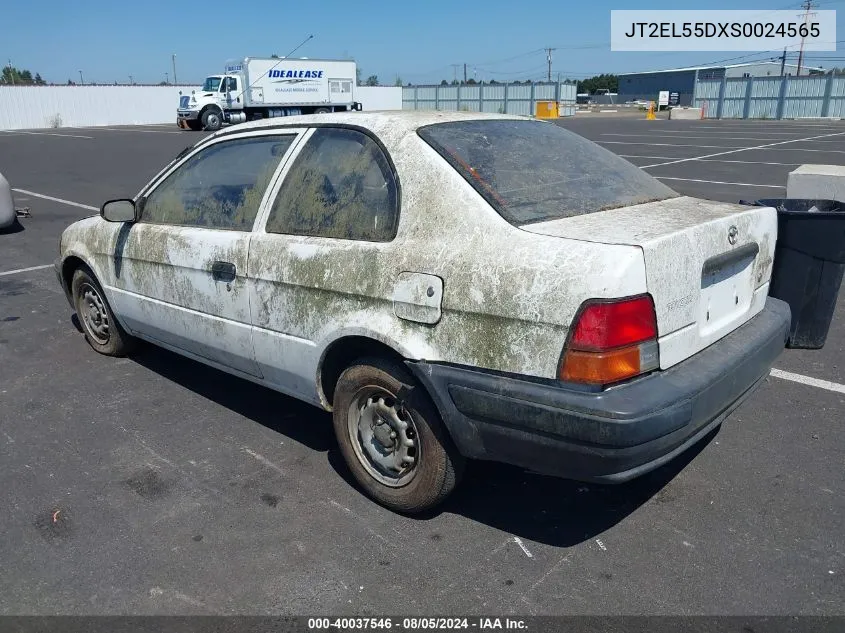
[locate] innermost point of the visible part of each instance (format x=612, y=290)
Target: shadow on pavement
x=275, y=411
x=547, y=510
x=558, y=512
x=16, y=227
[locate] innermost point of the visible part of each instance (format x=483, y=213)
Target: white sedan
x=449, y=286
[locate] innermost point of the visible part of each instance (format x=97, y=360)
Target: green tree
x=444, y=83
x=12, y=75
x=471, y=82
x=274, y=56
x=609, y=82
x=39, y=81
x=372, y=80
x=398, y=81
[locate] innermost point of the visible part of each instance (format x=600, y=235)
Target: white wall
x=379, y=97
x=23, y=107
x=34, y=107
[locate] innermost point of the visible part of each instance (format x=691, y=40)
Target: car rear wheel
x=101, y=329
x=392, y=438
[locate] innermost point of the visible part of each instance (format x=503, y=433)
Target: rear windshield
x=531, y=171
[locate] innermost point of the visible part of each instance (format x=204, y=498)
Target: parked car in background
x=8, y=217
x=449, y=285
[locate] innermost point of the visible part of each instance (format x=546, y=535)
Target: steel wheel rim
x=94, y=315
x=384, y=437
x=213, y=120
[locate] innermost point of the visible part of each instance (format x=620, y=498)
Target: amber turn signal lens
x=601, y=368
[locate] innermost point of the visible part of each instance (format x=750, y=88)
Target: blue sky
x=417, y=41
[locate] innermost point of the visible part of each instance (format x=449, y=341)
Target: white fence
x=34, y=107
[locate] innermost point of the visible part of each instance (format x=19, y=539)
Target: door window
x=340, y=186
x=220, y=187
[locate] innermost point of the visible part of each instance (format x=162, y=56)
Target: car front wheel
x=101, y=329
x=392, y=438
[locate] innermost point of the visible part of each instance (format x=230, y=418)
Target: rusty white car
x=449, y=286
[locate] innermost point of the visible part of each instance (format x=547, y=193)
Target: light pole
x=166, y=78
x=130, y=80
x=81, y=80
x=174, y=69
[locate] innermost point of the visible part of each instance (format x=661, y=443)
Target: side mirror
x=118, y=211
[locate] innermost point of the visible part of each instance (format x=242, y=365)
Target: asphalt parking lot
x=155, y=485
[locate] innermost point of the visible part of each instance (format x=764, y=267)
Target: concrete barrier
x=825, y=182
x=685, y=114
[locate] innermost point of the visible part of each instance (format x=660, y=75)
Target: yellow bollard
x=650, y=115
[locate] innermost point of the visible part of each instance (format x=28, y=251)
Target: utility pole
x=455, y=68
x=549, y=58
x=130, y=80
x=174, y=69
x=807, y=5
x=81, y=79
x=465, y=73
x=782, y=62
x=166, y=78
x=11, y=72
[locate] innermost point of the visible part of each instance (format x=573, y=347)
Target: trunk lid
x=708, y=263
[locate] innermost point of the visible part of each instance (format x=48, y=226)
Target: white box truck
x=259, y=88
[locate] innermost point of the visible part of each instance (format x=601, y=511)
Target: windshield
x=532, y=171
x=211, y=84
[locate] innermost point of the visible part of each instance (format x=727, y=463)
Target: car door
x=323, y=252
x=179, y=272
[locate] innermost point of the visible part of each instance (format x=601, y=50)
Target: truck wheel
x=322, y=111
x=195, y=125
x=101, y=329
x=397, y=449
x=212, y=120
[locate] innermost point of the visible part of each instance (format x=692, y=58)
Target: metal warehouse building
x=647, y=85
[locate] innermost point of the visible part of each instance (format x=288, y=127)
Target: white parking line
x=664, y=145
x=712, y=160
x=118, y=129
x=719, y=182
x=25, y=270
x=62, y=200
x=806, y=380
x=743, y=149
x=16, y=132
x=710, y=136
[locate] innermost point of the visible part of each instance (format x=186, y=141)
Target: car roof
x=394, y=121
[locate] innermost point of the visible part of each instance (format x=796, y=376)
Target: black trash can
x=809, y=265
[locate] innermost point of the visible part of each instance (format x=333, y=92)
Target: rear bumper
x=609, y=436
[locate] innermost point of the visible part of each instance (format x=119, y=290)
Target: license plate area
x=727, y=289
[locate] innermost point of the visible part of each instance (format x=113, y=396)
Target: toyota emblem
x=732, y=233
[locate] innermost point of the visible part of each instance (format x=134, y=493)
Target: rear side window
x=342, y=186
x=532, y=171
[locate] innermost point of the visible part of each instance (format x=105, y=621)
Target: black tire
x=194, y=125
x=437, y=466
x=94, y=311
x=322, y=111
x=212, y=120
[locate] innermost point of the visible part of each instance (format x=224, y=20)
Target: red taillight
x=603, y=326
x=611, y=341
